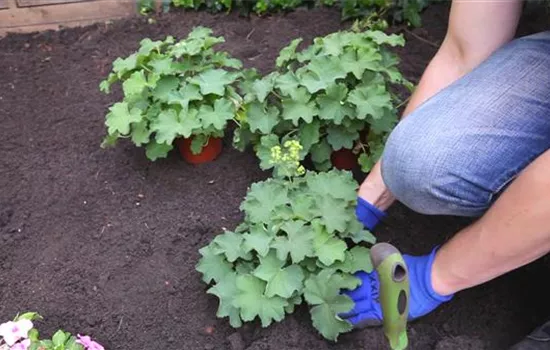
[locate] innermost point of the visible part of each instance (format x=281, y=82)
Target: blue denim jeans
x=456, y=152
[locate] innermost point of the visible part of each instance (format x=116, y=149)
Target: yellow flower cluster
x=276, y=153
x=289, y=159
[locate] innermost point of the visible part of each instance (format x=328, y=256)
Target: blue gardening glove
x=368, y=214
x=423, y=299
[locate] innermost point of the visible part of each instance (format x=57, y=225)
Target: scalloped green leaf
x=253, y=303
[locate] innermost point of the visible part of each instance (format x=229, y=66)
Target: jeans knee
x=429, y=173
x=460, y=148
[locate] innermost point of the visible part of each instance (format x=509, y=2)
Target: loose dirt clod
x=460, y=343
x=236, y=341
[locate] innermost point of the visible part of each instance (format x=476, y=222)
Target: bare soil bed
x=105, y=242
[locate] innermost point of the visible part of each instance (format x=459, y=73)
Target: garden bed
x=105, y=242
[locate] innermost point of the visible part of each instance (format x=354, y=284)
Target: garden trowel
x=394, y=293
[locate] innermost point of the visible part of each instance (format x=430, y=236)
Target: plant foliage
x=325, y=96
x=171, y=90
x=299, y=242
x=145, y=6
x=60, y=340
x=394, y=10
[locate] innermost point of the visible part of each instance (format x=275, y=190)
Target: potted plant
x=175, y=93
x=336, y=97
x=299, y=242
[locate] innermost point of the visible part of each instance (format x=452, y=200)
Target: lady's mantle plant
x=172, y=90
x=326, y=96
x=20, y=334
x=298, y=242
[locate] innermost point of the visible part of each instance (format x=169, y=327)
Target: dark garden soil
x=104, y=242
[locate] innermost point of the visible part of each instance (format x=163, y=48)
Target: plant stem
x=403, y=102
x=363, y=147
x=424, y=40
x=147, y=69
x=276, y=94
x=291, y=132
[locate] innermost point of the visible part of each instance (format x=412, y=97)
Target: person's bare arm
x=476, y=29
x=513, y=233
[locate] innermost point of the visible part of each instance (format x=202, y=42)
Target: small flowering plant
x=20, y=334
x=342, y=92
x=299, y=243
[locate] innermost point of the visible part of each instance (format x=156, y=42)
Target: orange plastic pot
x=344, y=159
x=209, y=152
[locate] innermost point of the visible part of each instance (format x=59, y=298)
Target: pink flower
x=24, y=345
x=14, y=331
x=88, y=343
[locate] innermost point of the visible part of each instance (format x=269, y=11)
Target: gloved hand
x=368, y=214
x=423, y=299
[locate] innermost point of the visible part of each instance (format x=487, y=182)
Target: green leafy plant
x=299, y=242
x=173, y=90
x=245, y=6
x=212, y=5
x=268, y=6
x=396, y=11
x=335, y=94
x=20, y=334
x=145, y=6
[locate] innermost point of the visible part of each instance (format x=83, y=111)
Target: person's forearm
x=444, y=69
x=515, y=231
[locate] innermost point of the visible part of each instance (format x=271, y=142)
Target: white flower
x=14, y=331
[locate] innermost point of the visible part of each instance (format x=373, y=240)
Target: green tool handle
x=394, y=292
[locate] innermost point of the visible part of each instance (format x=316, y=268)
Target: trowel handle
x=394, y=292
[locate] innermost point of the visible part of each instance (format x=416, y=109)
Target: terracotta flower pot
x=344, y=159
x=209, y=152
